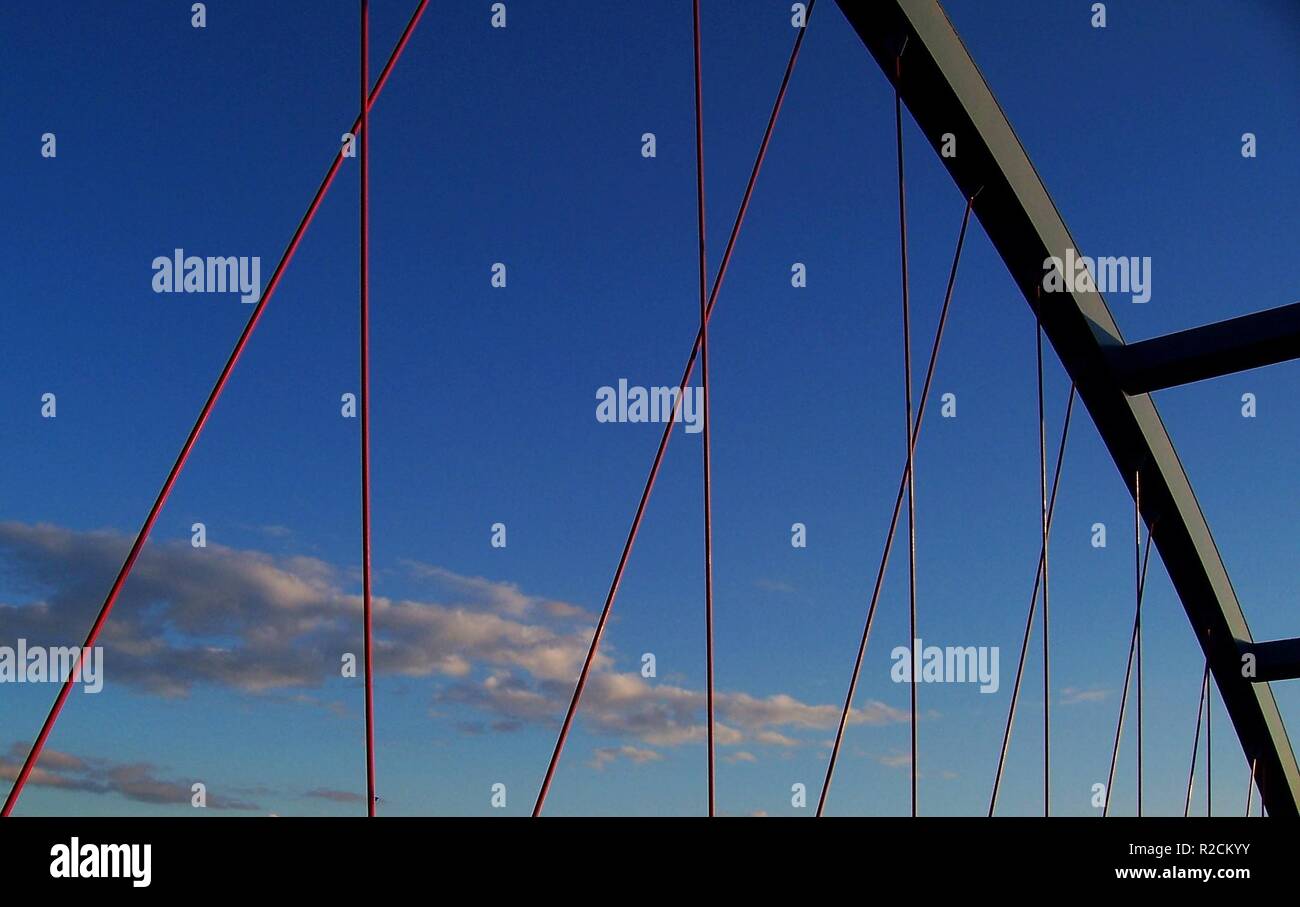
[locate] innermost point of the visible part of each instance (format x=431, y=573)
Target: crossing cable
x=1200, y=710
x=907, y=381
x=898, y=506
x=34, y=754
x=1123, y=700
x=603, y=620
x=704, y=385
x=365, y=408
x=1033, y=606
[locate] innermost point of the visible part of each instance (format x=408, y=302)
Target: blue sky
x=522, y=145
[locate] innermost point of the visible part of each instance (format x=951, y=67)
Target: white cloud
x=606, y=755
x=258, y=623
x=1074, y=696
x=138, y=781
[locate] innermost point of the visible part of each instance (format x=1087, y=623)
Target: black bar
x=1223, y=348
x=1278, y=659
x=644, y=860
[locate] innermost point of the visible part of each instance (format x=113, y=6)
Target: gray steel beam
x=945, y=93
x=1235, y=345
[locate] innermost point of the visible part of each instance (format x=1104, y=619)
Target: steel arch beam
x=946, y=93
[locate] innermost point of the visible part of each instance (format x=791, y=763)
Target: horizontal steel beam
x=1277, y=659
x=946, y=94
x=1223, y=348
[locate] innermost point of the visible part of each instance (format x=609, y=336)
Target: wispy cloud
x=606, y=755
x=500, y=596
x=1074, y=696
x=137, y=781
x=335, y=796
x=252, y=621
x=628, y=705
x=265, y=624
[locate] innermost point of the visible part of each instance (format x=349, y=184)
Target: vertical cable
x=603, y=621
x=142, y=536
x=1033, y=605
x=364, y=152
x=1209, y=749
x=1042, y=484
x=1138, y=575
x=1128, y=675
x=1200, y=711
x=704, y=416
x=907, y=380
x=898, y=505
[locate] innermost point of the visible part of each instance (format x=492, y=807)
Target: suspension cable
x=1123, y=700
x=1209, y=750
x=907, y=381
x=1042, y=484
x=603, y=620
x=142, y=536
x=1033, y=605
x=1200, y=710
x=704, y=385
x=365, y=409
x=1250, y=788
x=898, y=506
x=1139, y=577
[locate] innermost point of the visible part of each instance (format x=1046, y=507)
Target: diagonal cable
x=1200, y=711
x=603, y=620
x=1033, y=604
x=142, y=536
x=1140, y=575
x=1250, y=788
x=1123, y=699
x=893, y=521
x=704, y=386
x=913, y=686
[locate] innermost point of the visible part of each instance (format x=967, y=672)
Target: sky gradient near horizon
x=523, y=145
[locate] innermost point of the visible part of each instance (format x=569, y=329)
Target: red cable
x=898, y=506
x=704, y=386
x=30, y=762
x=1209, y=751
x=1033, y=605
x=1196, y=739
x=668, y=428
x=1043, y=565
x=907, y=381
x=1140, y=577
x=365, y=406
x=1128, y=675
